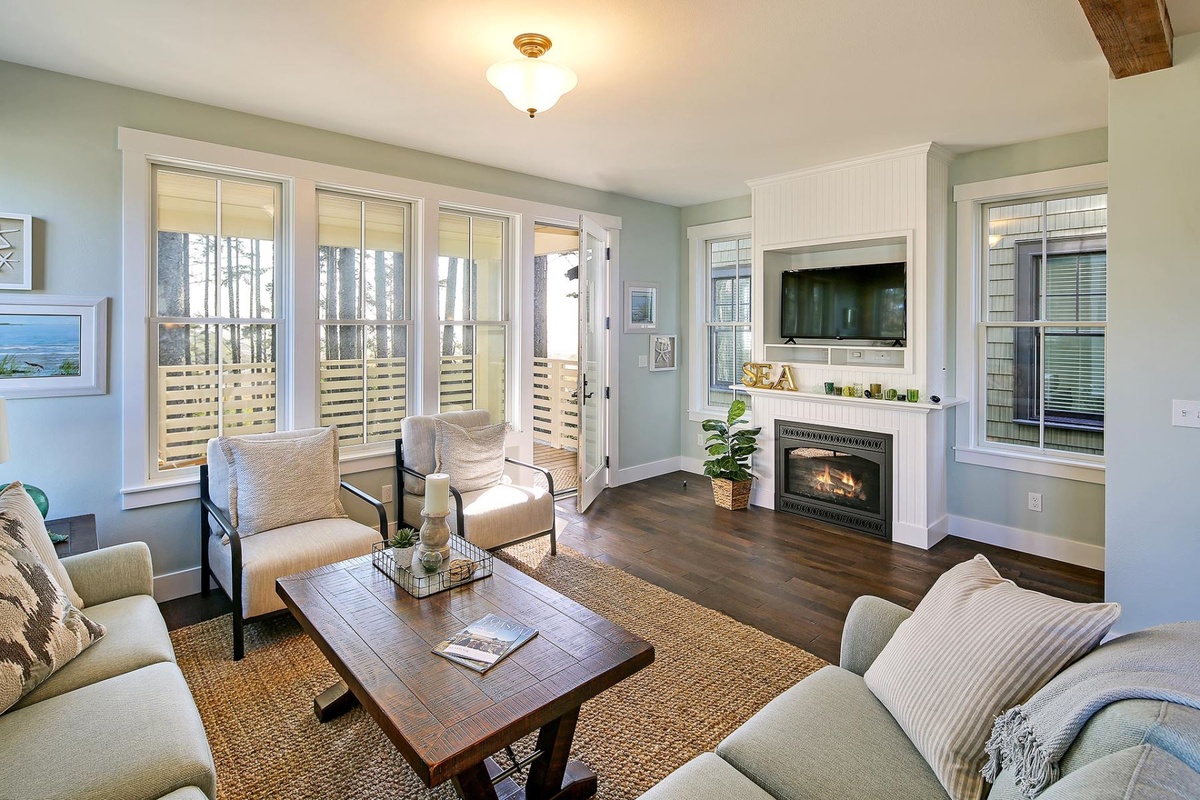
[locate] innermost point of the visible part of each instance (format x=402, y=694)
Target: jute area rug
x=710, y=674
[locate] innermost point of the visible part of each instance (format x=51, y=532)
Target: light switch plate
x=643, y=361
x=1185, y=413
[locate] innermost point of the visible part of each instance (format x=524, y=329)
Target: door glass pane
x=472, y=371
x=593, y=346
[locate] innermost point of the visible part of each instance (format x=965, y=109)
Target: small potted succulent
x=403, y=542
x=729, y=447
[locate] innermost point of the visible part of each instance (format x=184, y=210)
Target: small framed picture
x=16, y=251
x=664, y=354
x=52, y=346
x=641, y=307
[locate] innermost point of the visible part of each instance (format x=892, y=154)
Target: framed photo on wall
x=664, y=352
x=16, y=251
x=53, y=346
x=641, y=307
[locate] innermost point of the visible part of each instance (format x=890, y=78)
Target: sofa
x=118, y=721
x=828, y=737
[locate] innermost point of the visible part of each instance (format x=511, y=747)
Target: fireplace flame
x=838, y=482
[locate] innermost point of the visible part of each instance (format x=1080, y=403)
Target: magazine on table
x=485, y=642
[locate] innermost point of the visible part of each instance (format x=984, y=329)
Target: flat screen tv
x=858, y=302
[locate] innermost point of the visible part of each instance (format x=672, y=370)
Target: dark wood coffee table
x=448, y=720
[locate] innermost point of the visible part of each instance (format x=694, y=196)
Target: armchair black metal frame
x=209, y=509
x=402, y=470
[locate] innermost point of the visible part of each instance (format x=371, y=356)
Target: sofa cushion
x=472, y=457
x=1138, y=773
x=496, y=516
x=18, y=509
x=975, y=646
x=40, y=630
x=1172, y=728
x=275, y=482
x=828, y=737
x=137, y=637
x=418, y=434
x=136, y=736
x=706, y=777
x=186, y=793
x=280, y=552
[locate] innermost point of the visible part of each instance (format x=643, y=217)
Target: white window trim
x=298, y=354
x=698, y=237
x=969, y=447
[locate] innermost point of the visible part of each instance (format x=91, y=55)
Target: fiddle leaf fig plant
x=730, y=445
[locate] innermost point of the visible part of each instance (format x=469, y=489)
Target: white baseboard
x=176, y=584
x=1038, y=544
x=643, y=471
x=692, y=465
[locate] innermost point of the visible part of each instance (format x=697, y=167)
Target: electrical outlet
x=387, y=493
x=700, y=440
x=1035, y=501
x=643, y=361
x=1185, y=413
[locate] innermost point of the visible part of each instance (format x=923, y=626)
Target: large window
x=1043, y=323
x=472, y=308
x=215, y=312
x=363, y=327
x=720, y=337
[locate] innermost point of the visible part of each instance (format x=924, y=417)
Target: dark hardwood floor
x=781, y=574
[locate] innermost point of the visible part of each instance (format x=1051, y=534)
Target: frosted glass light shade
x=531, y=84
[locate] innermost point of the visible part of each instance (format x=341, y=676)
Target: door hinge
x=607, y=323
x=606, y=395
x=606, y=462
x=608, y=254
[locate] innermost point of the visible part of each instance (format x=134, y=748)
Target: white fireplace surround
x=900, y=195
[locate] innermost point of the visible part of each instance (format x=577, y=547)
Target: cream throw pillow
x=16, y=503
x=976, y=646
x=40, y=628
x=278, y=482
x=472, y=457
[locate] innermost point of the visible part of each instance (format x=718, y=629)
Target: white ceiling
x=678, y=100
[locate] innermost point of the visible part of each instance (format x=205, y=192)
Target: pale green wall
x=59, y=162
x=1071, y=509
x=716, y=211
x=1153, y=555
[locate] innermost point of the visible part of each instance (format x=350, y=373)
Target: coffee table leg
x=334, y=701
x=474, y=783
x=554, y=776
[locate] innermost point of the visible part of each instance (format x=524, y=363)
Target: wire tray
x=419, y=583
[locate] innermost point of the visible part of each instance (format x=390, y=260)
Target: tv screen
x=860, y=302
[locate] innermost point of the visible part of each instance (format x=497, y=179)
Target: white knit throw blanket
x=1160, y=663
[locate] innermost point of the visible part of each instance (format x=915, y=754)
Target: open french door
x=593, y=356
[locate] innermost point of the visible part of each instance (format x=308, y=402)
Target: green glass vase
x=39, y=498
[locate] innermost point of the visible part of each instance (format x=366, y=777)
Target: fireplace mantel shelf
x=820, y=397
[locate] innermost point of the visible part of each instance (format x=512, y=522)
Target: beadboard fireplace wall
x=887, y=207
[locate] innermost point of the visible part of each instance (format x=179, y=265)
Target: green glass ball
x=39, y=498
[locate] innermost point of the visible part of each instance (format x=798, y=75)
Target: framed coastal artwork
x=641, y=307
x=53, y=346
x=663, y=351
x=16, y=251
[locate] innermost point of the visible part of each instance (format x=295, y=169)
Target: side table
x=81, y=533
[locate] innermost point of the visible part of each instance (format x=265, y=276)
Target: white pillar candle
x=437, y=493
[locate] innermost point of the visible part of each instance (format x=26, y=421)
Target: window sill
x=705, y=414
x=1033, y=464
x=181, y=489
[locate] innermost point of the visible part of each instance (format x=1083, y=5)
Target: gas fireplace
x=835, y=475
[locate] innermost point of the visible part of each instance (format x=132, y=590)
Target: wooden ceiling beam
x=1135, y=35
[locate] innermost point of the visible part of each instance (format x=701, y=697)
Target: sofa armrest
x=869, y=626
x=111, y=573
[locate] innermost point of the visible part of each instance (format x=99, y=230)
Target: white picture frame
x=53, y=345
x=664, y=352
x=16, y=251
x=641, y=307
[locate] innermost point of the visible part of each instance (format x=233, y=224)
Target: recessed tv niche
x=857, y=302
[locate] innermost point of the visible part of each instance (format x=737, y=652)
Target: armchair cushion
x=285, y=551
x=497, y=516
x=17, y=508
x=276, y=481
x=419, y=433
x=472, y=457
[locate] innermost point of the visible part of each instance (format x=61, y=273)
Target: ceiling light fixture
x=530, y=83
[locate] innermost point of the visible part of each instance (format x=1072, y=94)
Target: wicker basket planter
x=734, y=495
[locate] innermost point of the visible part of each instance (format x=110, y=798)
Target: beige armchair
x=270, y=507
x=491, y=517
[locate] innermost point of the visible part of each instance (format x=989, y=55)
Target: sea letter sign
x=757, y=375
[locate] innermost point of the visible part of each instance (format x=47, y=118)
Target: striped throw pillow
x=976, y=645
